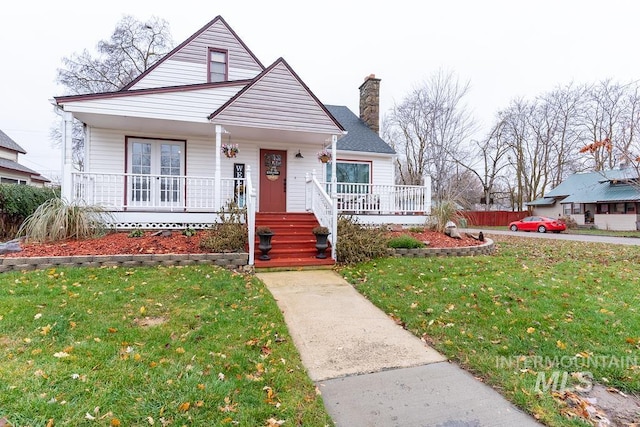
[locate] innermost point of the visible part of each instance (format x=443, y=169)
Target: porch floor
x=293, y=244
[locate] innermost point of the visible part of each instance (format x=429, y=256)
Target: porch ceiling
x=185, y=129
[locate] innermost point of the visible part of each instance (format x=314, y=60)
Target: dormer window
x=217, y=66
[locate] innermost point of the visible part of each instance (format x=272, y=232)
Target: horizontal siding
x=9, y=155
x=189, y=64
x=278, y=101
x=193, y=105
x=105, y=151
x=173, y=73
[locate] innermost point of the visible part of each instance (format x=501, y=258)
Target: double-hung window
x=218, y=62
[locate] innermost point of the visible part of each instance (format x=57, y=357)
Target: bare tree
x=133, y=47
x=491, y=156
x=427, y=130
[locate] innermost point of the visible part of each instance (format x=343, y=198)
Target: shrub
x=228, y=235
x=17, y=202
x=405, y=242
x=320, y=230
x=138, y=232
x=569, y=222
x=359, y=243
x=56, y=220
x=442, y=213
x=188, y=232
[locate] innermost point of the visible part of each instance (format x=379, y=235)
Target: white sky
x=505, y=49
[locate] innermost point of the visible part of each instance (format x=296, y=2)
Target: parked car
x=541, y=224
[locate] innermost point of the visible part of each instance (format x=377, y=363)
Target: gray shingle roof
x=10, y=144
x=359, y=136
x=11, y=165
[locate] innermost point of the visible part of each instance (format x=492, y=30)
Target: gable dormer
x=213, y=54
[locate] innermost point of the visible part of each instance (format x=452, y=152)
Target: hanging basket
x=229, y=150
x=324, y=158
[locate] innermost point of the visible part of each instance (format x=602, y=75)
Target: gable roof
x=359, y=136
x=277, y=97
x=10, y=144
x=194, y=48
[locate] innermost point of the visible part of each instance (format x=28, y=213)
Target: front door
x=273, y=181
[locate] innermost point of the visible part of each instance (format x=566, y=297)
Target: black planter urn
x=321, y=244
x=265, y=245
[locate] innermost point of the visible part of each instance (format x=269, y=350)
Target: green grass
x=180, y=346
x=530, y=309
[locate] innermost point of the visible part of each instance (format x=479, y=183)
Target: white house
x=155, y=150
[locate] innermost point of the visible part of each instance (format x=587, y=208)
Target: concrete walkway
x=372, y=372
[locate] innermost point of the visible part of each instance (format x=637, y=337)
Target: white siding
x=189, y=64
x=189, y=105
x=278, y=101
x=106, y=155
x=9, y=155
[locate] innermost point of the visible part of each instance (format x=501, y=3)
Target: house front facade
x=209, y=126
x=607, y=200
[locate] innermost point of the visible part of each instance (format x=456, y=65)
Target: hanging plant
x=324, y=155
x=229, y=150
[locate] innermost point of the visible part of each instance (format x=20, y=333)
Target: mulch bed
x=177, y=243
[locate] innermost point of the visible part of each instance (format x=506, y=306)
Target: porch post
x=218, y=174
x=334, y=197
x=426, y=179
x=67, y=155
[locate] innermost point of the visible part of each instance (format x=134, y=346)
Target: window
x=566, y=208
x=353, y=173
x=217, y=66
x=12, y=181
x=154, y=167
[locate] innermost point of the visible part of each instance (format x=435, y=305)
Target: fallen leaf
x=531, y=330
x=184, y=407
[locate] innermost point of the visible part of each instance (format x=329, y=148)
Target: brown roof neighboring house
x=10, y=169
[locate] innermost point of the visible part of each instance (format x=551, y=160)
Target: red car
x=541, y=224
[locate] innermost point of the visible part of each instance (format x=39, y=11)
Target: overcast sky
x=505, y=49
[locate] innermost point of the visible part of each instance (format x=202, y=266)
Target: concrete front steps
x=293, y=244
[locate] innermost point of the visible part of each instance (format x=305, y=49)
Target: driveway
x=560, y=236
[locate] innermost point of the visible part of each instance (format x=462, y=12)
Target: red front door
x=273, y=181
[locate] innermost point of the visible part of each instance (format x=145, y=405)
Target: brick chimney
x=370, y=102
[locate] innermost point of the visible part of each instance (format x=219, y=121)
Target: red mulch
x=177, y=243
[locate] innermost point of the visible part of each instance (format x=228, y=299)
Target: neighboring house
x=155, y=150
x=12, y=172
x=606, y=200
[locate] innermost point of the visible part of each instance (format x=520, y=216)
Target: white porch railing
x=382, y=199
x=118, y=192
x=318, y=201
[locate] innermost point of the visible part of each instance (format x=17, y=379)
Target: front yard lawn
x=148, y=346
x=538, y=320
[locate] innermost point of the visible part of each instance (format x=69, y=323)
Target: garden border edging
x=486, y=248
x=231, y=261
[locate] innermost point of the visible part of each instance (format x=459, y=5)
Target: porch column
x=67, y=155
x=218, y=174
x=334, y=196
x=426, y=182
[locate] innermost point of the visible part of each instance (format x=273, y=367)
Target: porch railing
x=381, y=199
x=123, y=191
x=319, y=202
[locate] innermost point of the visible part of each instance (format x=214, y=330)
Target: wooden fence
x=491, y=218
